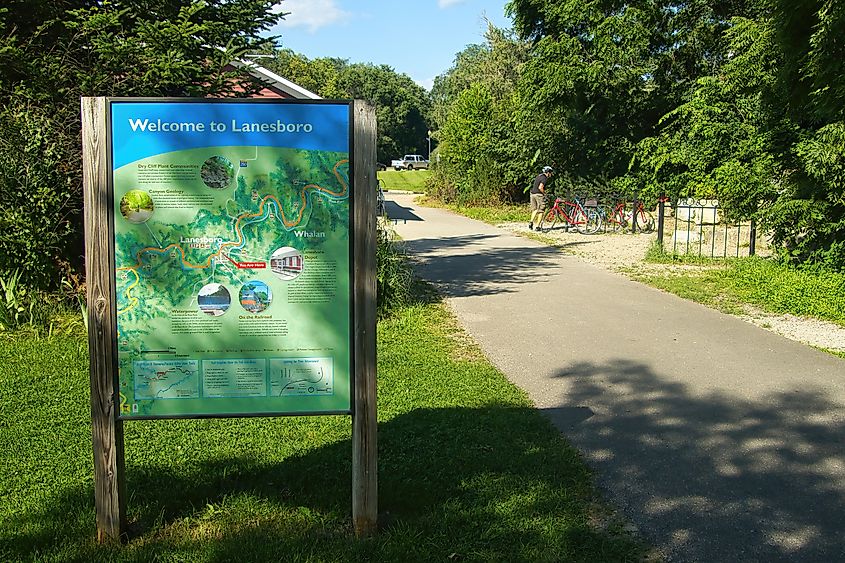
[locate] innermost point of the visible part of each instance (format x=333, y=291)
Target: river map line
x=261, y=215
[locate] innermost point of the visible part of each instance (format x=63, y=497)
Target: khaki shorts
x=538, y=202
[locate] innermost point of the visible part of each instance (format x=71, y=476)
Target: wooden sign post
x=109, y=480
x=356, y=192
x=364, y=423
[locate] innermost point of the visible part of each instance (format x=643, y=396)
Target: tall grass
x=770, y=285
x=38, y=312
x=812, y=292
x=394, y=276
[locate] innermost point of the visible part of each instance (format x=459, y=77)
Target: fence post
x=752, y=243
x=634, y=217
x=661, y=213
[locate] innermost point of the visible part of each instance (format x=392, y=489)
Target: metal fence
x=698, y=227
x=694, y=227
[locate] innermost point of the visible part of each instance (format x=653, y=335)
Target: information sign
x=232, y=257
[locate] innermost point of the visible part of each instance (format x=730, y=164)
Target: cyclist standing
x=538, y=197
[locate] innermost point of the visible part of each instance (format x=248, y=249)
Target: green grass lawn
x=771, y=286
x=468, y=470
x=494, y=215
x=407, y=180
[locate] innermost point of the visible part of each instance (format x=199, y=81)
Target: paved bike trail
x=719, y=440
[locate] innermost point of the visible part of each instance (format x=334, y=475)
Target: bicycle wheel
x=617, y=220
x=645, y=221
x=589, y=222
x=550, y=219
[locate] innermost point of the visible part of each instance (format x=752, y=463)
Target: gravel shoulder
x=623, y=253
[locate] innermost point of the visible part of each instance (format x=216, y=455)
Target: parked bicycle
x=645, y=220
x=618, y=216
x=614, y=215
x=572, y=214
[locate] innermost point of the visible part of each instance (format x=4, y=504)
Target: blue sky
x=418, y=38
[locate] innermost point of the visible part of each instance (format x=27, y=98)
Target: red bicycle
x=645, y=220
x=619, y=218
x=572, y=214
x=615, y=216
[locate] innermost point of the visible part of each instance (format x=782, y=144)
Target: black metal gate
x=698, y=228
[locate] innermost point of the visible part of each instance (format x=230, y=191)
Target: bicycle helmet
x=547, y=169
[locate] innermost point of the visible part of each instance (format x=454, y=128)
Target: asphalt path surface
x=719, y=440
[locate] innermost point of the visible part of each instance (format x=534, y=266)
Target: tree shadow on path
x=712, y=477
x=463, y=266
x=487, y=483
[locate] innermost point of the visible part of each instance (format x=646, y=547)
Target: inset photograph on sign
x=255, y=296
x=217, y=172
x=136, y=206
x=287, y=263
x=214, y=299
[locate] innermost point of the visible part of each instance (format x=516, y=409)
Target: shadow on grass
x=492, y=483
x=713, y=477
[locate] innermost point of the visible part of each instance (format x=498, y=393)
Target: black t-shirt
x=540, y=179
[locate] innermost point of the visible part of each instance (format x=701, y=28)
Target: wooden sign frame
x=107, y=428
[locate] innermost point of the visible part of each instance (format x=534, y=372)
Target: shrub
x=40, y=205
x=393, y=272
x=23, y=309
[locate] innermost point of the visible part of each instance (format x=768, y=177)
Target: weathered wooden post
x=364, y=423
x=107, y=430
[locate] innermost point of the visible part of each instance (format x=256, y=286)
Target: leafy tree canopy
x=402, y=106
x=54, y=52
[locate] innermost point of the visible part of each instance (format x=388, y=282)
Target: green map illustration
x=240, y=263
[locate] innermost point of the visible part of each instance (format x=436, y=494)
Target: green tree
x=603, y=73
x=716, y=144
x=317, y=75
x=473, y=109
x=808, y=216
x=765, y=133
x=402, y=106
x=51, y=54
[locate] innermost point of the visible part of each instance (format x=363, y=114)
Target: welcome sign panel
x=232, y=257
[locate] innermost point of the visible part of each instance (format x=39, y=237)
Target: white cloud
x=428, y=83
x=311, y=14
x=447, y=3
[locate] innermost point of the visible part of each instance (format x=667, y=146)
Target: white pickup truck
x=410, y=162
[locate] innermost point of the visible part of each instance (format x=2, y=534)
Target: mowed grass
x=468, y=470
x=494, y=215
x=406, y=180
x=761, y=282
